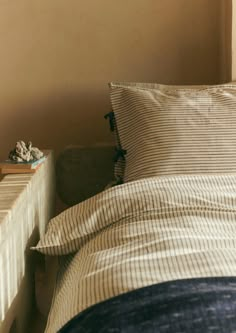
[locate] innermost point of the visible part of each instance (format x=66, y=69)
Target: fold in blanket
x=147, y=232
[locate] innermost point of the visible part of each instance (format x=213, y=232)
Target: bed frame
x=82, y=172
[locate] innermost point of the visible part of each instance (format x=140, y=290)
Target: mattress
x=147, y=232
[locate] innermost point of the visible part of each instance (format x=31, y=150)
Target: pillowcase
x=119, y=161
x=119, y=157
x=74, y=227
x=171, y=130
x=70, y=230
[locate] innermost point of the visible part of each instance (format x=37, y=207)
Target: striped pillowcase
x=119, y=161
x=171, y=130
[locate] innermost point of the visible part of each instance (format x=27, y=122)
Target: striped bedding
x=166, y=130
x=119, y=167
x=153, y=230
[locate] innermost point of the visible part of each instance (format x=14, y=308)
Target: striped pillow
x=119, y=162
x=119, y=159
x=169, y=130
x=119, y=165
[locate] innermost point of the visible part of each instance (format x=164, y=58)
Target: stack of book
x=9, y=166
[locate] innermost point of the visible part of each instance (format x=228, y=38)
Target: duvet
x=144, y=233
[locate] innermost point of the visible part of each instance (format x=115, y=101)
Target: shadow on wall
x=56, y=122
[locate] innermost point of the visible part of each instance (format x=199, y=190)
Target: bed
x=157, y=251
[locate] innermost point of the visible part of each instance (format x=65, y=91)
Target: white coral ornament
x=25, y=152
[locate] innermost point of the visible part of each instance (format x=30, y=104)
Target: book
x=9, y=166
x=7, y=170
x=21, y=165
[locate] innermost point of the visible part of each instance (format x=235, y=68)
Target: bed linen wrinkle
x=156, y=230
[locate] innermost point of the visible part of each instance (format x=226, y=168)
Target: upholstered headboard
x=83, y=171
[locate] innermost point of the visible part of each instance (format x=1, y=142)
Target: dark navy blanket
x=193, y=305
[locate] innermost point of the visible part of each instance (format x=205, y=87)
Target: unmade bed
x=156, y=252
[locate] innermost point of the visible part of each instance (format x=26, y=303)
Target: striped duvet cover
x=166, y=228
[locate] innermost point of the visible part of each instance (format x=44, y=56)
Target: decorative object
x=25, y=152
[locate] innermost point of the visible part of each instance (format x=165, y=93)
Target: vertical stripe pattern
x=140, y=233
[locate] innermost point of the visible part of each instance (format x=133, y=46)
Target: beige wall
x=56, y=57
x=234, y=40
